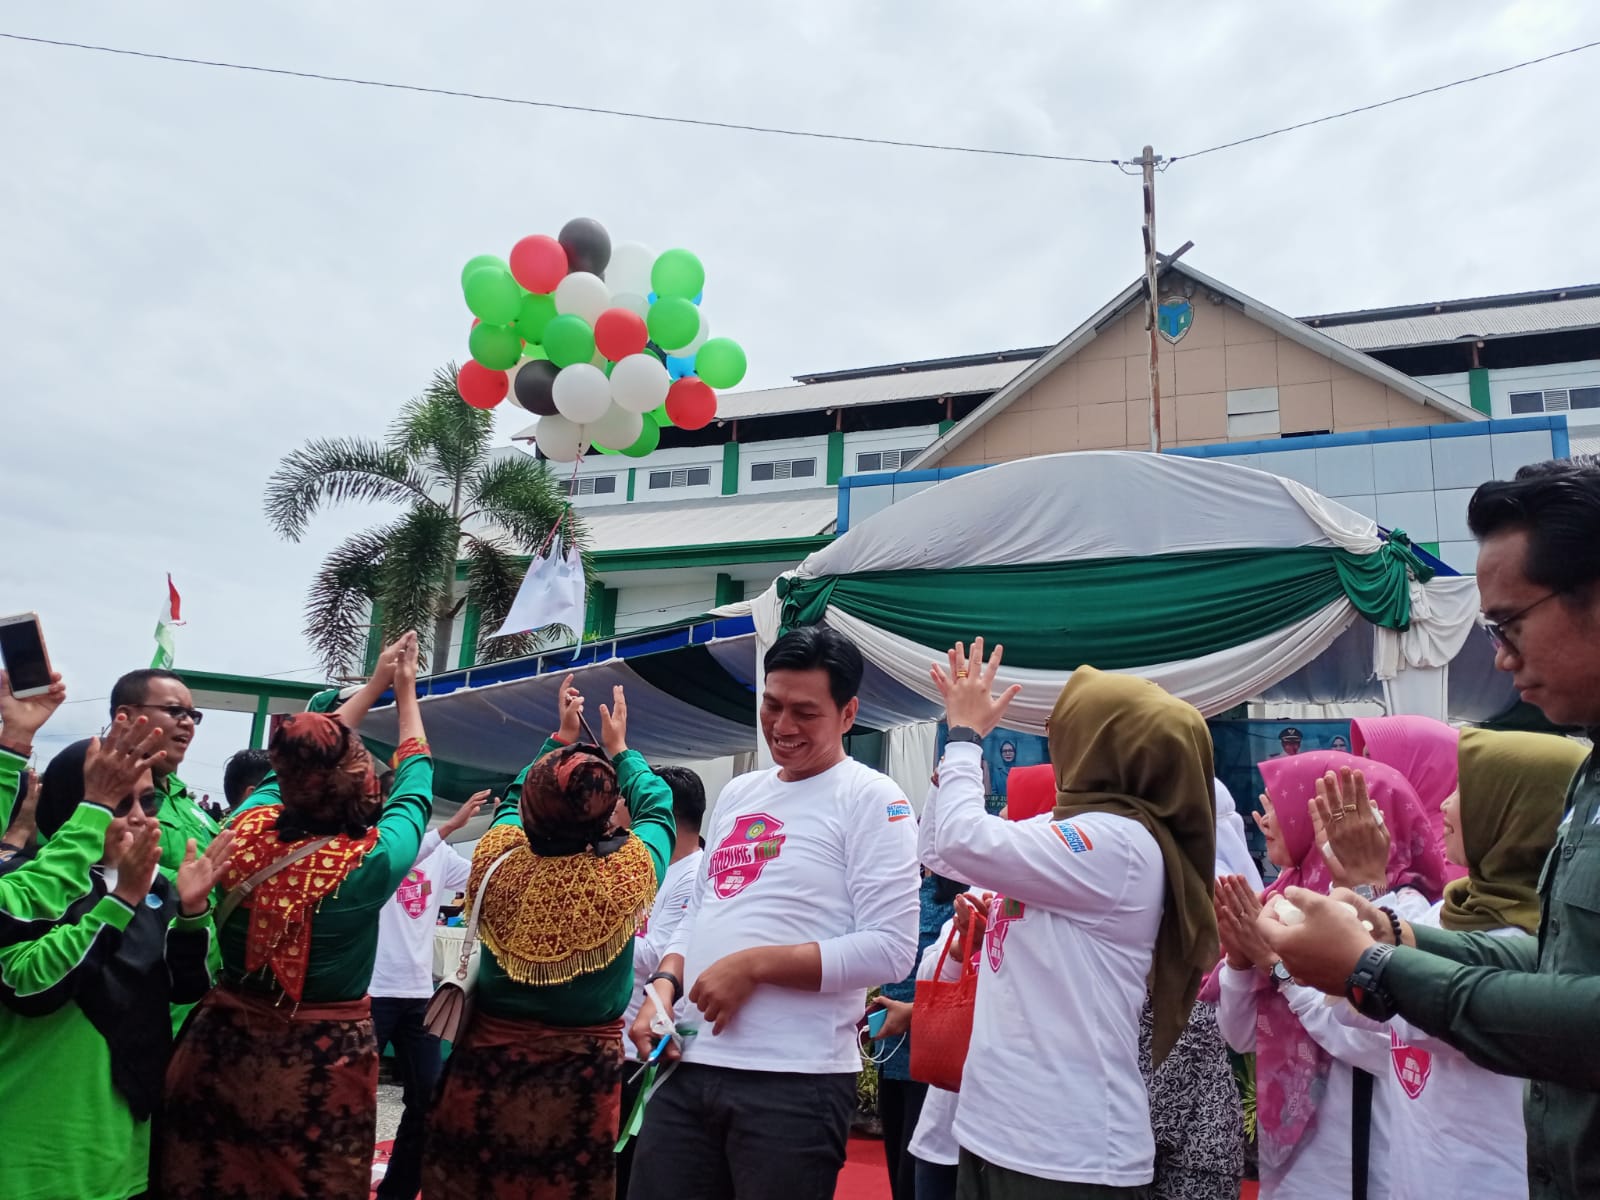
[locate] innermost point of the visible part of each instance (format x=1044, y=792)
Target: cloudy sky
x=203, y=268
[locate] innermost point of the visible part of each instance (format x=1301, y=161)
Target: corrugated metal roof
x=872, y=389
x=1430, y=329
x=650, y=526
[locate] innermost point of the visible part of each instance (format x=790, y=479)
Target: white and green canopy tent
x=1221, y=583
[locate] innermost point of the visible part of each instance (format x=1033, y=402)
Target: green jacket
x=1530, y=1009
x=36, y=894
x=181, y=818
x=602, y=995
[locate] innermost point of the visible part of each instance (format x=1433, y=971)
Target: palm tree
x=461, y=501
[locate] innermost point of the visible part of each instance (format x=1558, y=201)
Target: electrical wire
x=560, y=107
x=1350, y=112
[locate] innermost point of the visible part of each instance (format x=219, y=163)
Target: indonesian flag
x=165, y=623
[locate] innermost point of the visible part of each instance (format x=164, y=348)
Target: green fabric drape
x=1116, y=613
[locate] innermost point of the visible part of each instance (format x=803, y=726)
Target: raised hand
x=138, y=851
x=968, y=689
x=1238, y=909
x=464, y=814
x=20, y=720
x=113, y=764
x=199, y=873
x=1348, y=825
x=614, y=723
x=405, y=651
x=570, y=729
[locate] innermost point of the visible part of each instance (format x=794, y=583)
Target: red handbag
x=941, y=1018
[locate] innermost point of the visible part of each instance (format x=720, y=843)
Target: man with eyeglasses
x=1513, y=1005
x=162, y=699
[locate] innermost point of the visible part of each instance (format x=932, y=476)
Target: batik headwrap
x=567, y=900
x=325, y=776
x=1291, y=1069
x=1120, y=744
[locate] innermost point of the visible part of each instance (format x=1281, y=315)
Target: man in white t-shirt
x=672, y=904
x=806, y=898
x=402, y=982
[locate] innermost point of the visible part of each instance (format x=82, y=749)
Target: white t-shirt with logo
x=404, y=967
x=832, y=860
x=1051, y=1086
x=655, y=935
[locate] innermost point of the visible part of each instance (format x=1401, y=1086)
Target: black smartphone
x=22, y=649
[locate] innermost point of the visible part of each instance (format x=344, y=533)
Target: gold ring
x=1339, y=816
x=1349, y=808
x=961, y=674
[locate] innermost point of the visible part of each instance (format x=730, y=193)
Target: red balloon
x=691, y=404
x=538, y=263
x=481, y=387
x=620, y=332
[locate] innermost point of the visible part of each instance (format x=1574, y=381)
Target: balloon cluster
x=604, y=344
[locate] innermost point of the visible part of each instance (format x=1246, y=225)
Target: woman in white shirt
x=1457, y=1128
x=1104, y=895
x=1304, y=1098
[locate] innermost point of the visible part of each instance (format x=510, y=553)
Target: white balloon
x=700, y=339
x=634, y=302
x=582, y=393
x=617, y=430
x=639, y=383
x=629, y=268
x=584, y=295
x=559, y=439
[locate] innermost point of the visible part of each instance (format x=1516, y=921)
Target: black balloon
x=533, y=386
x=587, y=244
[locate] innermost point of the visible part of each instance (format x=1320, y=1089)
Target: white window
x=680, y=477
x=1555, y=400
x=783, y=468
x=592, y=485
x=884, y=460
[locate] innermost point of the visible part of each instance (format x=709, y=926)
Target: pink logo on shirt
x=1001, y=913
x=414, y=892
x=756, y=839
x=1411, y=1066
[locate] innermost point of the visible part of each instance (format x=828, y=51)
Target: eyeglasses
x=1497, y=629
x=176, y=711
x=149, y=801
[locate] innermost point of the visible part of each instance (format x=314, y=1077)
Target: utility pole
x=1148, y=163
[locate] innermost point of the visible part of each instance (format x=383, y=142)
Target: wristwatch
x=963, y=733
x=1280, y=974
x=677, y=984
x=1366, y=891
x=1365, y=989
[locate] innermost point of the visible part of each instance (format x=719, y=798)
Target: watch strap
x=677, y=984
x=963, y=733
x=1365, y=989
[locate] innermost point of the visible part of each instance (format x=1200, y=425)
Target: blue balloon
x=679, y=366
x=701, y=296
x=651, y=298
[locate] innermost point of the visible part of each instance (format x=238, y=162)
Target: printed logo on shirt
x=1072, y=837
x=899, y=810
x=413, y=893
x=755, y=840
x=1411, y=1066
x=1002, y=912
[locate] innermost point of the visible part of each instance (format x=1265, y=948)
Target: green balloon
x=720, y=363
x=608, y=366
x=533, y=351
x=568, y=340
x=533, y=315
x=673, y=322
x=649, y=438
x=606, y=449
x=495, y=346
x=678, y=273
x=493, y=296
x=482, y=260
x=659, y=416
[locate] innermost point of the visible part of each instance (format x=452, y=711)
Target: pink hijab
x=1425, y=751
x=1291, y=1069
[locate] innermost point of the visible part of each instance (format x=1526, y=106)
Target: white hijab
x=1233, y=853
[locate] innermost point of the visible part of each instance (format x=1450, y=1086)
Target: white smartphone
x=22, y=649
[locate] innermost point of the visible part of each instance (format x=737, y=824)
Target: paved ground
x=388, y=1110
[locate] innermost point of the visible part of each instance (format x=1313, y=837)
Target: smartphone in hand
x=22, y=649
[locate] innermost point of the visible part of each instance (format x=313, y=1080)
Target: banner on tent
x=1002, y=750
x=1240, y=745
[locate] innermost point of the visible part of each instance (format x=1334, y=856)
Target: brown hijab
x=1121, y=744
x=325, y=776
x=567, y=800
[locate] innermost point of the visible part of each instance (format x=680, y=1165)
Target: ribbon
x=653, y=1077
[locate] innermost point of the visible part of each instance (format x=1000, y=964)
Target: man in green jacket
x=161, y=698
x=1513, y=1006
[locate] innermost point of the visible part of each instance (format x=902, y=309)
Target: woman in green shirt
x=273, y=1089
x=532, y=1094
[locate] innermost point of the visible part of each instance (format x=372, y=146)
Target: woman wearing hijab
x=85, y=1028
x=1304, y=1098
x=530, y=1104
x=1461, y=1126
x=1233, y=851
x=1421, y=749
x=1107, y=900
x=273, y=1089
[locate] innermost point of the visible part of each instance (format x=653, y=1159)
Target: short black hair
x=1557, y=503
x=133, y=687
x=688, y=795
x=818, y=648
x=245, y=770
